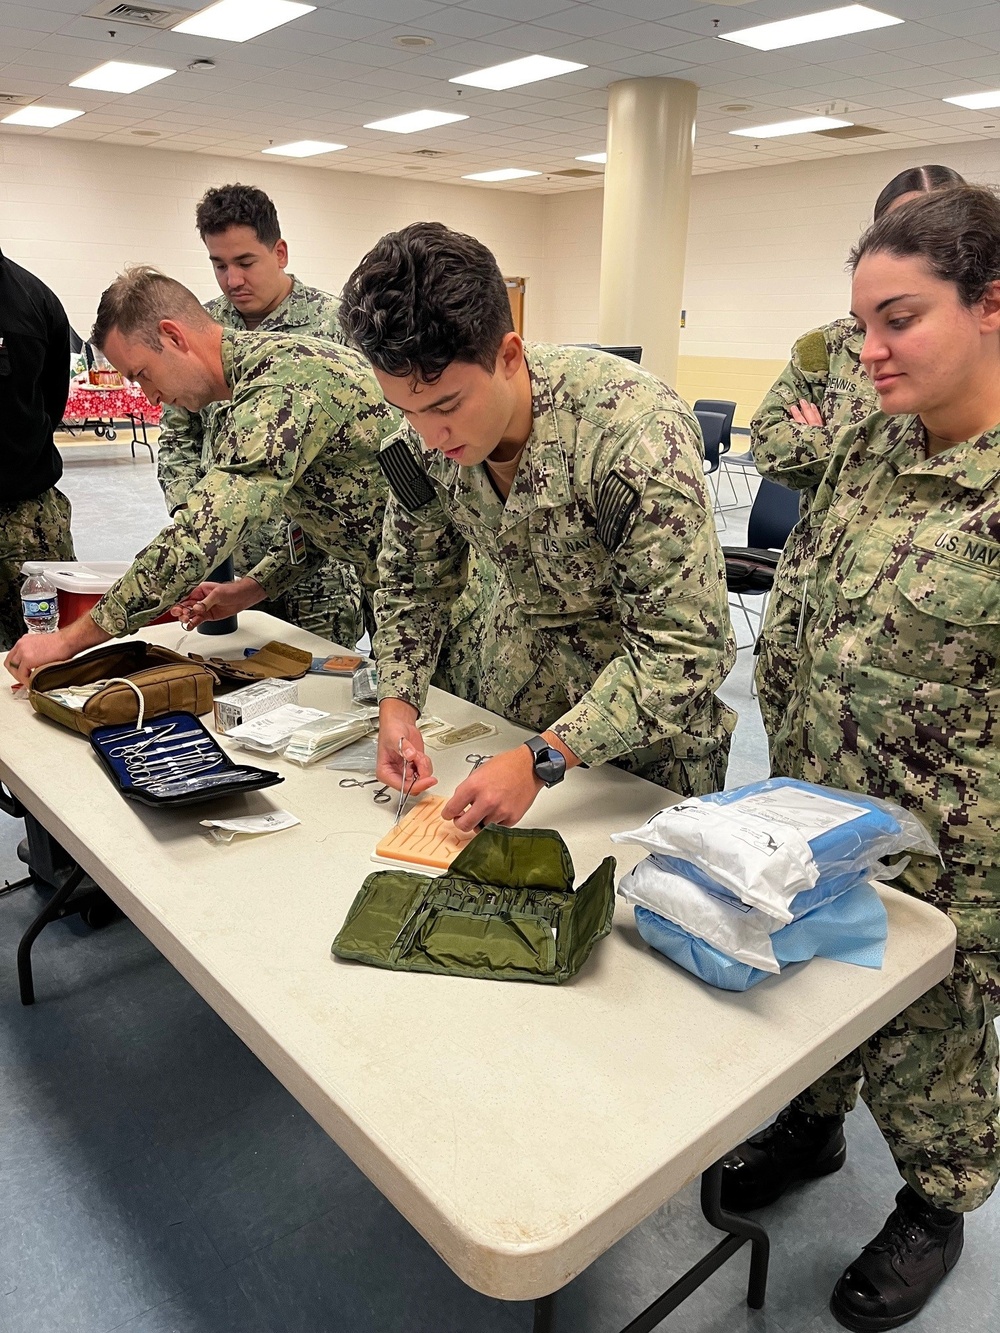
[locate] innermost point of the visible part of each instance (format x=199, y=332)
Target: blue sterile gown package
x=850, y=929
x=780, y=845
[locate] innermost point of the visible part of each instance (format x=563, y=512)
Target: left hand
x=35, y=650
x=500, y=791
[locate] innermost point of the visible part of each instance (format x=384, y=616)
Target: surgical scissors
x=163, y=770
x=171, y=734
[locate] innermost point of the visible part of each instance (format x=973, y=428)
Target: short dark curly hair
x=424, y=297
x=238, y=205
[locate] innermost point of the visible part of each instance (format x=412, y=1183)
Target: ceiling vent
x=16, y=99
x=850, y=132
x=143, y=16
x=424, y=152
x=576, y=173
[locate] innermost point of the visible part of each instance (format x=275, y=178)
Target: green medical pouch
x=506, y=910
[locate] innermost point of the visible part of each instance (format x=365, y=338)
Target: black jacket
x=34, y=383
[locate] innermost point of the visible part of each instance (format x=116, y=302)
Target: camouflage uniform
x=36, y=529
x=328, y=600
x=897, y=693
x=608, y=622
x=825, y=369
x=299, y=437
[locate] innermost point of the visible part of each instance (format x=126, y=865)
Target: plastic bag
x=851, y=929
x=771, y=840
x=713, y=915
x=322, y=737
x=359, y=757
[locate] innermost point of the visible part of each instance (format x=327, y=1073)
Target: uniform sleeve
x=421, y=574
x=179, y=453
x=276, y=573
x=256, y=464
x=786, y=452
x=677, y=642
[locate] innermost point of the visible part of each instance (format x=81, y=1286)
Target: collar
x=974, y=464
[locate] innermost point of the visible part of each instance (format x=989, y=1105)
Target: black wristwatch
x=550, y=763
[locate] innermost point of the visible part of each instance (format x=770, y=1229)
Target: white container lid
x=94, y=576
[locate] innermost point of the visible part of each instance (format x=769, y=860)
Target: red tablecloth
x=118, y=404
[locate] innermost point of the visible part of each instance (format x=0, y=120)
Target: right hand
x=216, y=601
x=399, y=739
x=806, y=413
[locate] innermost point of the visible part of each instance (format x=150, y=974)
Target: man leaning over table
x=239, y=227
x=580, y=478
x=300, y=424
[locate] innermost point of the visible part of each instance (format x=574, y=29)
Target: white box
x=263, y=696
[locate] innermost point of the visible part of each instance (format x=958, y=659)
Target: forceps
x=380, y=797
x=163, y=770
x=136, y=747
x=476, y=759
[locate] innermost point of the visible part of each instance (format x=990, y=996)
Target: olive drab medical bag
x=505, y=911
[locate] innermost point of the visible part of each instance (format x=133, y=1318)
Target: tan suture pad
x=423, y=838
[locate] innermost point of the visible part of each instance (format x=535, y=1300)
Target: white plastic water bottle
x=39, y=601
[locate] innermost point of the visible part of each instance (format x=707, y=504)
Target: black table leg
x=50, y=912
x=742, y=1227
x=545, y=1313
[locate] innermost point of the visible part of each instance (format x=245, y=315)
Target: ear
x=510, y=358
x=173, y=335
x=281, y=253
x=989, y=309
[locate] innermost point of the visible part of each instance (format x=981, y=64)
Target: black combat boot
x=794, y=1147
x=896, y=1273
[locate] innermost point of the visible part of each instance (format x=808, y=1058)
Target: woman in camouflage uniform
x=822, y=389
x=897, y=693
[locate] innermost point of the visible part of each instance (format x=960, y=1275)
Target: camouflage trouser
x=35, y=529
x=930, y=1080
x=326, y=601
x=777, y=659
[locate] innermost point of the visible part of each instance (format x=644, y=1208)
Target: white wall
x=75, y=213
x=765, y=259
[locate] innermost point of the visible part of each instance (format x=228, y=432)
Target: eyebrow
x=221, y=259
x=438, y=402
x=904, y=296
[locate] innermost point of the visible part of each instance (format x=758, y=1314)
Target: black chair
x=712, y=425
x=750, y=569
x=728, y=411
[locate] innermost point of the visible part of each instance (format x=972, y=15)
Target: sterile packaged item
x=225, y=830
x=364, y=684
x=358, y=757
x=474, y=731
x=251, y=701
x=318, y=740
x=338, y=664
x=271, y=733
x=771, y=840
x=851, y=929
x=428, y=725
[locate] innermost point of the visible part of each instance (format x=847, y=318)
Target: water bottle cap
x=31, y=567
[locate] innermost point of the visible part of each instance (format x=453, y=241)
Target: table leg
x=50, y=912
x=545, y=1313
x=739, y=1227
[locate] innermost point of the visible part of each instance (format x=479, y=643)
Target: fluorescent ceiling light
x=811, y=27
x=593, y=157
x=117, y=76
x=43, y=117
x=413, y=121
x=239, y=20
x=504, y=174
x=809, y=125
x=515, y=72
x=976, y=101
x=304, y=148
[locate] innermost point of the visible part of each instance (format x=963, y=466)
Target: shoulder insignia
x=812, y=353
x=617, y=504
x=407, y=480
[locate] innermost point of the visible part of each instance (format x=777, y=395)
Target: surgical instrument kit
x=173, y=760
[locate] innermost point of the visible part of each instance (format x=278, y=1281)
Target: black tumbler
x=224, y=574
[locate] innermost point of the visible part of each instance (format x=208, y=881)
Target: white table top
x=522, y=1129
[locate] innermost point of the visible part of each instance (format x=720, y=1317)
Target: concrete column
x=647, y=188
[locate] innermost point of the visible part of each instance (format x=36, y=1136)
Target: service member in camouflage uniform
x=239, y=226
x=580, y=478
x=822, y=389
x=897, y=693
x=298, y=435
x=34, y=384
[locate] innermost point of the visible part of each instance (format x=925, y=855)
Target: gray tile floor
x=158, y=1180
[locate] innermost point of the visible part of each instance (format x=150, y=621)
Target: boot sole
x=819, y=1169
